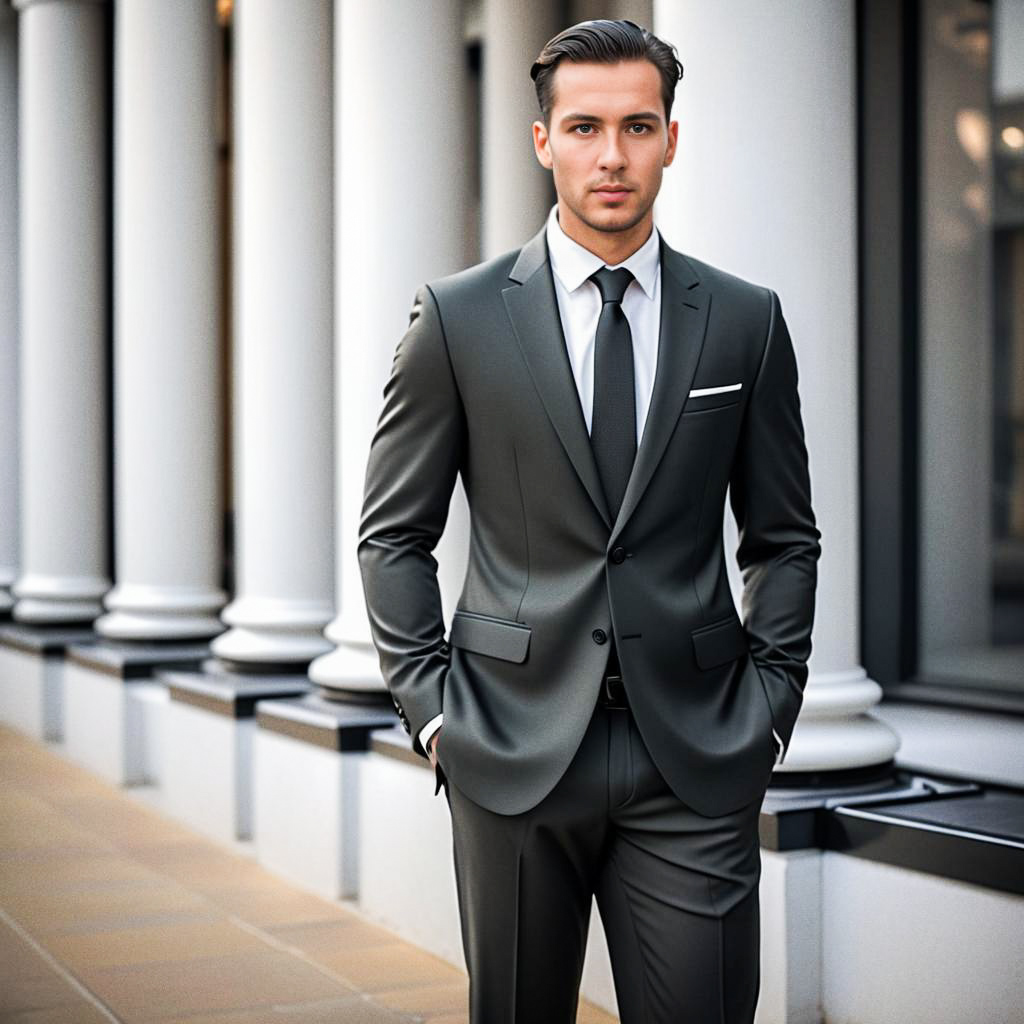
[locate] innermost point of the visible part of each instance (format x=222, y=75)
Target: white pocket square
x=697, y=392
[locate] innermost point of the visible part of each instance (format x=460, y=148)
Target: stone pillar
x=764, y=185
x=517, y=192
x=8, y=305
x=167, y=358
x=283, y=330
x=401, y=199
x=63, y=307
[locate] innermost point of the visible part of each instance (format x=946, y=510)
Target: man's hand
x=432, y=748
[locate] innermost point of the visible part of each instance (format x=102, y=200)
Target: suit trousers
x=677, y=893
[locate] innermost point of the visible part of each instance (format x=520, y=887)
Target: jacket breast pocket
x=710, y=403
x=719, y=642
x=486, y=634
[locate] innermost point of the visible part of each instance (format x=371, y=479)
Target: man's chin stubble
x=615, y=228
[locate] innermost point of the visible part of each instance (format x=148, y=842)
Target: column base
x=42, y=600
x=834, y=732
x=134, y=626
x=55, y=613
x=273, y=632
x=251, y=648
x=350, y=672
x=139, y=612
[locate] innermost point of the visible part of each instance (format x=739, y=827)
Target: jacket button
x=618, y=555
x=600, y=636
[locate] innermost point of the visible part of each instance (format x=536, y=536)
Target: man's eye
x=583, y=129
x=644, y=128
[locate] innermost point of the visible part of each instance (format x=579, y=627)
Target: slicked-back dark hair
x=604, y=42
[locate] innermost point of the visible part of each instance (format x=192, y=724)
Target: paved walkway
x=110, y=911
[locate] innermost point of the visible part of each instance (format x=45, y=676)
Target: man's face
x=607, y=144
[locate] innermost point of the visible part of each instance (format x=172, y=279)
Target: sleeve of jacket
x=415, y=457
x=770, y=494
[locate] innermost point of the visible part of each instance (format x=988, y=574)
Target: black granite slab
x=232, y=694
x=800, y=820
x=44, y=640
x=993, y=813
x=976, y=837
x=132, y=660
x=941, y=826
x=332, y=724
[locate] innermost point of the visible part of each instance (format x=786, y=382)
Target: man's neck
x=613, y=247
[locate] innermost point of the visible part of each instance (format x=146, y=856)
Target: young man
x=609, y=724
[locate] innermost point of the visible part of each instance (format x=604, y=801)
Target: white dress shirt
x=579, y=308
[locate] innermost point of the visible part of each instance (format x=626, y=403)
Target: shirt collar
x=573, y=264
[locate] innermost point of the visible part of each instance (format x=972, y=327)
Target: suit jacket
x=481, y=386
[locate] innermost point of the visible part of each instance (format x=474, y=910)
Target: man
x=609, y=724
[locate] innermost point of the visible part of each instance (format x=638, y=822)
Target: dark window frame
x=888, y=288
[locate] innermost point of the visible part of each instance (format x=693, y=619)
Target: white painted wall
x=900, y=946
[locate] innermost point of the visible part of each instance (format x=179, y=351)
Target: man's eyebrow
x=643, y=115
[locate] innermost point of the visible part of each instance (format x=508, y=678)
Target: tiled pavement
x=110, y=911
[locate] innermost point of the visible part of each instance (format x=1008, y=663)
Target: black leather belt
x=613, y=693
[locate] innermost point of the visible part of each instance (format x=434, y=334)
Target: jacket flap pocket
x=498, y=638
x=719, y=642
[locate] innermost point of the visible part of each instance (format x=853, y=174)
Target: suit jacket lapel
x=533, y=309
x=684, y=314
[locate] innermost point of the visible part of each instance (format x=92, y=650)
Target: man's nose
x=612, y=156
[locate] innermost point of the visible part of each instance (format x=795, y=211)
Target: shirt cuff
x=428, y=730
x=782, y=748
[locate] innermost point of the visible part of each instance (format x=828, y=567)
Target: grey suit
x=481, y=385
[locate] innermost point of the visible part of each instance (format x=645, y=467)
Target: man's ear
x=542, y=144
x=673, y=139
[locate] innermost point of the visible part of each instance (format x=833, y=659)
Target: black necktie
x=613, y=424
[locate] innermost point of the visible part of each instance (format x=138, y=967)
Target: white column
x=764, y=185
x=167, y=428
x=283, y=330
x=8, y=305
x=516, y=190
x=637, y=11
x=401, y=200
x=63, y=267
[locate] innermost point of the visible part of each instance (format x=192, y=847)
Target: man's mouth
x=613, y=193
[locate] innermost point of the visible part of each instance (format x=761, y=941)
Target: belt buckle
x=613, y=700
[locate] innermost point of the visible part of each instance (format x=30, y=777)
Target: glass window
x=972, y=344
